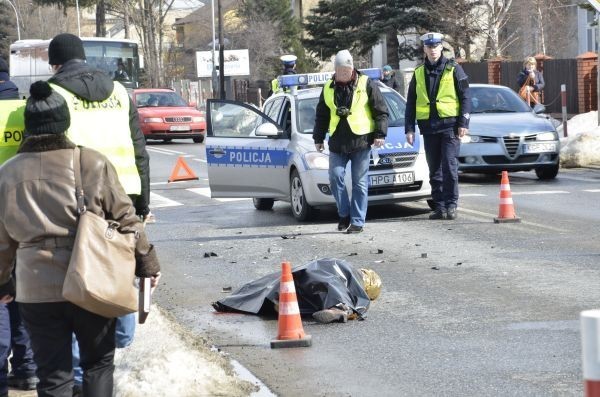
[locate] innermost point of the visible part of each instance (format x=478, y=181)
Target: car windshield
x=159, y=98
x=307, y=109
x=496, y=100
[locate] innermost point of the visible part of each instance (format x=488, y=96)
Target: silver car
x=505, y=134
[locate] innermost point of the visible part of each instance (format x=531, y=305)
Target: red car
x=165, y=115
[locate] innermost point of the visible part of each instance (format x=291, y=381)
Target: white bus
x=29, y=60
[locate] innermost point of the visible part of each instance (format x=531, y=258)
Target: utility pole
x=214, y=80
x=16, y=16
x=221, y=55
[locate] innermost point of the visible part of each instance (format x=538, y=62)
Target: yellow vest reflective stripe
x=447, y=103
x=360, y=120
x=274, y=86
x=12, y=127
x=104, y=126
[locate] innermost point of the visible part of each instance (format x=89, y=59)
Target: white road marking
x=205, y=191
x=534, y=192
x=162, y=149
x=492, y=216
x=592, y=190
x=159, y=201
x=473, y=195
x=579, y=179
x=200, y=160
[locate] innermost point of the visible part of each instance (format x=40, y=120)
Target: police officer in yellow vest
x=438, y=98
x=102, y=116
x=352, y=109
x=289, y=67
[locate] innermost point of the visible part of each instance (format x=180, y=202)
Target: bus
x=29, y=60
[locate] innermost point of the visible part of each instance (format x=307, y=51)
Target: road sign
x=237, y=63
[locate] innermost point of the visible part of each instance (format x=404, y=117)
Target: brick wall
x=587, y=66
x=494, y=68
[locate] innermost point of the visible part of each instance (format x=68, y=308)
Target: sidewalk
x=164, y=361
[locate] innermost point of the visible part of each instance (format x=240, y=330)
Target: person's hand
x=320, y=147
x=154, y=281
x=532, y=75
x=378, y=142
x=6, y=299
x=462, y=131
x=410, y=138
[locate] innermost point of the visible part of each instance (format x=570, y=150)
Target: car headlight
x=198, y=119
x=317, y=160
x=153, y=120
x=471, y=139
x=547, y=136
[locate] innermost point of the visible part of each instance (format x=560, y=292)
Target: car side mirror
x=539, y=108
x=268, y=129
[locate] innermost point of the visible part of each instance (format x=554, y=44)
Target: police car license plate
x=540, y=147
x=400, y=178
x=179, y=128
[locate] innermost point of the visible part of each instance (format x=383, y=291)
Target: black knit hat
x=3, y=66
x=46, y=111
x=65, y=47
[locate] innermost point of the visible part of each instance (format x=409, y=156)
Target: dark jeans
x=441, y=152
x=4, y=347
x=50, y=327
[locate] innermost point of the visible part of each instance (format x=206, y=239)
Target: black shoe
x=438, y=214
x=451, y=213
x=77, y=390
x=22, y=383
x=343, y=223
x=354, y=229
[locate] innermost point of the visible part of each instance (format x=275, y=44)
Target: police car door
x=246, y=150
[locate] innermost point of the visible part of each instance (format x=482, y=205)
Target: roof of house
x=203, y=14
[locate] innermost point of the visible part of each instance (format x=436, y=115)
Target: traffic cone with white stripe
x=291, y=333
x=590, y=343
x=506, y=213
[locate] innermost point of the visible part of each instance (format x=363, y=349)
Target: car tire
x=301, y=210
x=547, y=173
x=199, y=139
x=263, y=204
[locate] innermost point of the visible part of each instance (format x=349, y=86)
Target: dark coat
x=538, y=83
x=95, y=85
x=38, y=216
x=435, y=124
x=344, y=140
x=8, y=89
x=391, y=82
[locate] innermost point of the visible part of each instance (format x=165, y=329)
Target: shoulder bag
x=101, y=273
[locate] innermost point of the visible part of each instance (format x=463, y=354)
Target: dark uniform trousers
x=441, y=152
x=51, y=326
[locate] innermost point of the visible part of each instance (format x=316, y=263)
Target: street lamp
x=17, y=16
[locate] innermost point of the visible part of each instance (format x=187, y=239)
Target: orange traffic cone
x=291, y=333
x=181, y=164
x=506, y=213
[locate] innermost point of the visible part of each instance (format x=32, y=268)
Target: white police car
x=270, y=155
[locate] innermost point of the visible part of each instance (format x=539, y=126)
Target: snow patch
x=582, y=146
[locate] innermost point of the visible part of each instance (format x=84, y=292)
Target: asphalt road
x=491, y=310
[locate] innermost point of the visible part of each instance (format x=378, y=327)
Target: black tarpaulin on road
x=320, y=284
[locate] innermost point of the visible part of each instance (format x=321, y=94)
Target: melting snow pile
x=582, y=146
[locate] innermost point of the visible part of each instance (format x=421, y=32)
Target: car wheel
x=263, y=204
x=300, y=208
x=546, y=173
x=199, y=139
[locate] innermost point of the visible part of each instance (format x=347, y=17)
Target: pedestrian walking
x=38, y=222
x=438, y=99
x=389, y=78
x=13, y=335
x=352, y=109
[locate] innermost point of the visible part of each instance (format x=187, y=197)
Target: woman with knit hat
x=38, y=222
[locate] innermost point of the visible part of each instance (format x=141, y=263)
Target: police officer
x=289, y=67
x=353, y=110
x=438, y=98
x=102, y=116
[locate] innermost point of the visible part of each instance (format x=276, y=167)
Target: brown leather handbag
x=101, y=273
x=529, y=96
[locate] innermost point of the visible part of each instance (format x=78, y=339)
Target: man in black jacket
x=389, y=78
x=8, y=89
x=352, y=109
x=93, y=88
x=438, y=98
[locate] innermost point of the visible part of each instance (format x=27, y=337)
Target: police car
x=270, y=155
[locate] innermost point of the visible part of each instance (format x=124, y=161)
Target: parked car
x=165, y=115
x=506, y=134
x=270, y=155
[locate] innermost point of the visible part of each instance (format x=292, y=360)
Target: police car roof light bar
x=292, y=80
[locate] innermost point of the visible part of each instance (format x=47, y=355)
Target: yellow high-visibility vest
x=446, y=103
x=360, y=119
x=12, y=123
x=104, y=126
